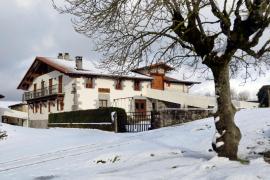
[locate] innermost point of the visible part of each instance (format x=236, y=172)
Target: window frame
x=101, y=103
x=118, y=84
x=89, y=83
x=137, y=85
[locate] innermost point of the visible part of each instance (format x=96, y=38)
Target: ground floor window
x=103, y=103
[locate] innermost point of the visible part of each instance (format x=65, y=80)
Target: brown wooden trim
x=104, y=90
x=60, y=84
x=50, y=85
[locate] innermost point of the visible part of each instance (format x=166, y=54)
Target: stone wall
x=173, y=117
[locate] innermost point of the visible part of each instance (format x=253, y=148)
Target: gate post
x=115, y=121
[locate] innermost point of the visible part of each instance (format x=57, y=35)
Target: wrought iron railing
x=39, y=93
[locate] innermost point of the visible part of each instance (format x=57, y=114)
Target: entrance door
x=140, y=106
x=158, y=81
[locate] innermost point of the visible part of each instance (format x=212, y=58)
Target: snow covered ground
x=180, y=152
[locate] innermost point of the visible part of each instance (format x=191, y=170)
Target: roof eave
x=46, y=61
x=108, y=76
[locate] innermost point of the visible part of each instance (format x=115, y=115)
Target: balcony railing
x=39, y=93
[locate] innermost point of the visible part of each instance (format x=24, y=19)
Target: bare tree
x=223, y=35
x=243, y=96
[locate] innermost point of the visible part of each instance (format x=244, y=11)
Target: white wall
x=68, y=98
x=89, y=97
x=176, y=87
x=192, y=100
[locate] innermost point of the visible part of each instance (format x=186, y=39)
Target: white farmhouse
x=62, y=84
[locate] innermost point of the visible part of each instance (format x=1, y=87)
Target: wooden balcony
x=42, y=94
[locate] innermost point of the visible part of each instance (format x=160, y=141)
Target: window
x=103, y=103
x=60, y=105
x=89, y=83
x=137, y=85
x=118, y=85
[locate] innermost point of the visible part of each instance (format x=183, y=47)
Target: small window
x=103, y=103
x=137, y=85
x=118, y=85
x=89, y=83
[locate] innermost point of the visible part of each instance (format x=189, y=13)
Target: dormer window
x=118, y=84
x=89, y=83
x=137, y=85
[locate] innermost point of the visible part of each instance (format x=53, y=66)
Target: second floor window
x=137, y=85
x=89, y=83
x=118, y=84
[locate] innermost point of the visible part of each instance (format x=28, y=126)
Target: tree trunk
x=228, y=135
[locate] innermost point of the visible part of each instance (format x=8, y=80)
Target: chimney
x=66, y=56
x=79, y=62
x=60, y=56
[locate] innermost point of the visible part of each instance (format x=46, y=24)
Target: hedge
x=102, y=115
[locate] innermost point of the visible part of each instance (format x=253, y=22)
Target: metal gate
x=138, y=121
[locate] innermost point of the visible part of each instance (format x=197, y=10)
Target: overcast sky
x=31, y=28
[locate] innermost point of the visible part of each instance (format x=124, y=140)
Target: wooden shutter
x=50, y=85
x=60, y=84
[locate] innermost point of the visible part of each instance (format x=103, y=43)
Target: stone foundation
x=42, y=124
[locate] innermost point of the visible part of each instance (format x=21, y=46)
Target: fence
x=144, y=121
x=138, y=121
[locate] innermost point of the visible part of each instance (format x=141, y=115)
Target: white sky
x=32, y=28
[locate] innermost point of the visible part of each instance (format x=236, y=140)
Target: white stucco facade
x=82, y=89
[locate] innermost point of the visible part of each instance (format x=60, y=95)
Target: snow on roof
x=6, y=104
x=13, y=113
x=89, y=69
